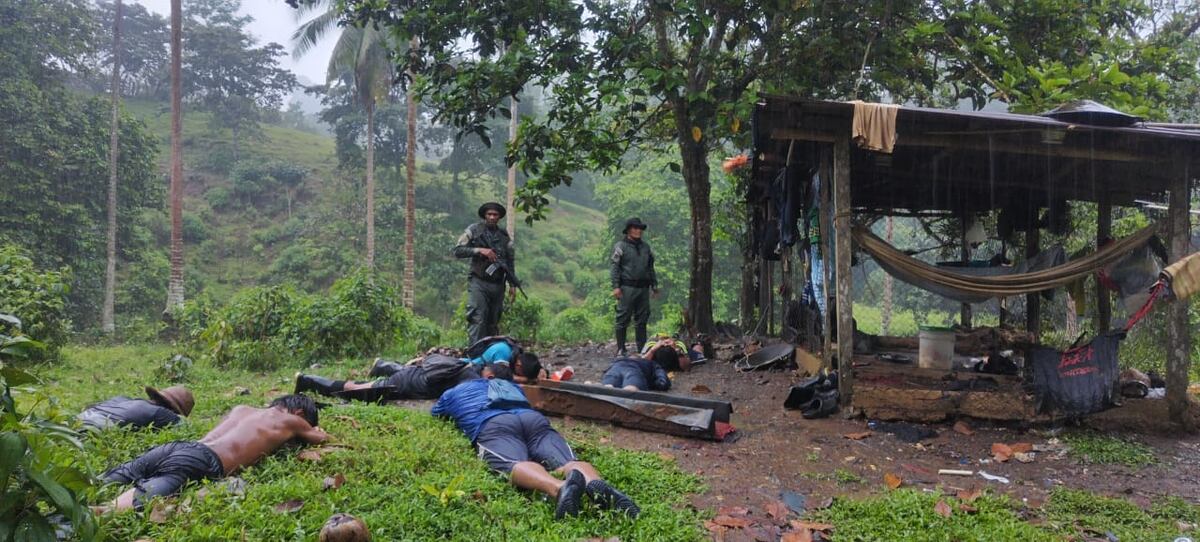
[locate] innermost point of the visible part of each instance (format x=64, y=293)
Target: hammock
x=959, y=286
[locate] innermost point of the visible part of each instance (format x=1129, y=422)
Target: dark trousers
x=634, y=304
x=485, y=302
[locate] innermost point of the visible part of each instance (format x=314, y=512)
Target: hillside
x=239, y=235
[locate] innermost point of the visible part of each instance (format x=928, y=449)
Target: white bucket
x=936, y=348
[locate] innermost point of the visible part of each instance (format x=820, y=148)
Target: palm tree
x=360, y=55
x=107, y=320
x=175, y=284
x=410, y=189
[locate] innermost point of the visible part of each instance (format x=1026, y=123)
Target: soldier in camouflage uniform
x=633, y=282
x=487, y=245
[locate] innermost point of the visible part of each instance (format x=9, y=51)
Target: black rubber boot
x=825, y=404
x=319, y=384
x=608, y=498
x=621, y=342
x=570, y=495
x=384, y=368
x=639, y=334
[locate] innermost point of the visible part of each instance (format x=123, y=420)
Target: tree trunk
x=410, y=195
x=107, y=320
x=371, y=185
x=175, y=284
x=695, y=176
x=512, y=173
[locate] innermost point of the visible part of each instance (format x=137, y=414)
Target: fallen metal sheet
x=647, y=411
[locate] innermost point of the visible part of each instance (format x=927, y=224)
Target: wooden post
x=845, y=292
x=1178, y=339
x=1033, y=303
x=1103, y=232
x=965, y=309
x=825, y=249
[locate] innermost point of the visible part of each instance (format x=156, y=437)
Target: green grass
x=1099, y=448
x=392, y=453
x=909, y=515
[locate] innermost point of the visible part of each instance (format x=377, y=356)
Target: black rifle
x=509, y=276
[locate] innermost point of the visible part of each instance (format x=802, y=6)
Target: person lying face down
x=163, y=408
x=518, y=441
x=425, y=378
x=243, y=437
x=636, y=373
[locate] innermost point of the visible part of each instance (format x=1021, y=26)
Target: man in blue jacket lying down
x=518, y=441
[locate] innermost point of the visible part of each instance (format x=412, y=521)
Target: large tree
x=175, y=283
x=54, y=146
x=361, y=58
x=107, y=322
x=680, y=73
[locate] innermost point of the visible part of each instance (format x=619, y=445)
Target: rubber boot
x=319, y=384
x=639, y=333
x=621, y=342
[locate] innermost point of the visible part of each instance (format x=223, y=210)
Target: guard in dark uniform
x=491, y=251
x=633, y=281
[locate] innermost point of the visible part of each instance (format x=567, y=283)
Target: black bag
x=1080, y=380
x=480, y=346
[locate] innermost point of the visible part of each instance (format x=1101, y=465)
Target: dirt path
x=778, y=450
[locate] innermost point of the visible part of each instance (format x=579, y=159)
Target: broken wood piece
x=953, y=472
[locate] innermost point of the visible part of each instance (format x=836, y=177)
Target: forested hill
x=240, y=229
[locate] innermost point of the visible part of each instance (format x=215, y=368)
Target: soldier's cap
x=634, y=222
x=492, y=206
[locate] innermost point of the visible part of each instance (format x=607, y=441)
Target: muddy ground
x=777, y=450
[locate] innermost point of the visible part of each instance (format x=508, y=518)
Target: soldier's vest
x=495, y=239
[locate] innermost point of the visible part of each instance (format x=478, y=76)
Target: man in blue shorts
x=518, y=441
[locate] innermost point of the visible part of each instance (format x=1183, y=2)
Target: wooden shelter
x=964, y=163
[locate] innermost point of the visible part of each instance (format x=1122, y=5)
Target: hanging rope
x=927, y=276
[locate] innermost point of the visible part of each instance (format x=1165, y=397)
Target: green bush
x=541, y=268
x=37, y=473
x=575, y=325
x=522, y=319
x=358, y=317
x=37, y=298
x=219, y=197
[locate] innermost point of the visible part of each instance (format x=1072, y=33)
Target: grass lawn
x=408, y=475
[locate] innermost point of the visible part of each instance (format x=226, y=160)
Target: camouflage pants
x=634, y=304
x=485, y=302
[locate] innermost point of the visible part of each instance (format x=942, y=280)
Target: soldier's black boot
x=640, y=333
x=621, y=342
x=319, y=384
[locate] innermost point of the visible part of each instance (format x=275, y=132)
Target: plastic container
x=936, y=350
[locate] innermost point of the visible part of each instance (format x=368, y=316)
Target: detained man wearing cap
x=490, y=250
x=633, y=282
x=165, y=407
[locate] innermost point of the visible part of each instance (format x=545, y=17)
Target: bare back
x=248, y=434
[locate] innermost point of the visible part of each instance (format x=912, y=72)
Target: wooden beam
x=845, y=290
x=977, y=143
x=824, y=224
x=1033, y=302
x=1103, y=232
x=1178, y=338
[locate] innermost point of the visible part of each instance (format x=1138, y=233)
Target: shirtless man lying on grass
x=243, y=437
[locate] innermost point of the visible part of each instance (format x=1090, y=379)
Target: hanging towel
x=1184, y=276
x=874, y=126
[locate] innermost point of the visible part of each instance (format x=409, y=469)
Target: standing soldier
x=491, y=252
x=633, y=281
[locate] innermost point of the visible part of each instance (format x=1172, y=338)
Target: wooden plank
x=878, y=369
x=845, y=290
x=1178, y=338
x=1103, y=232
